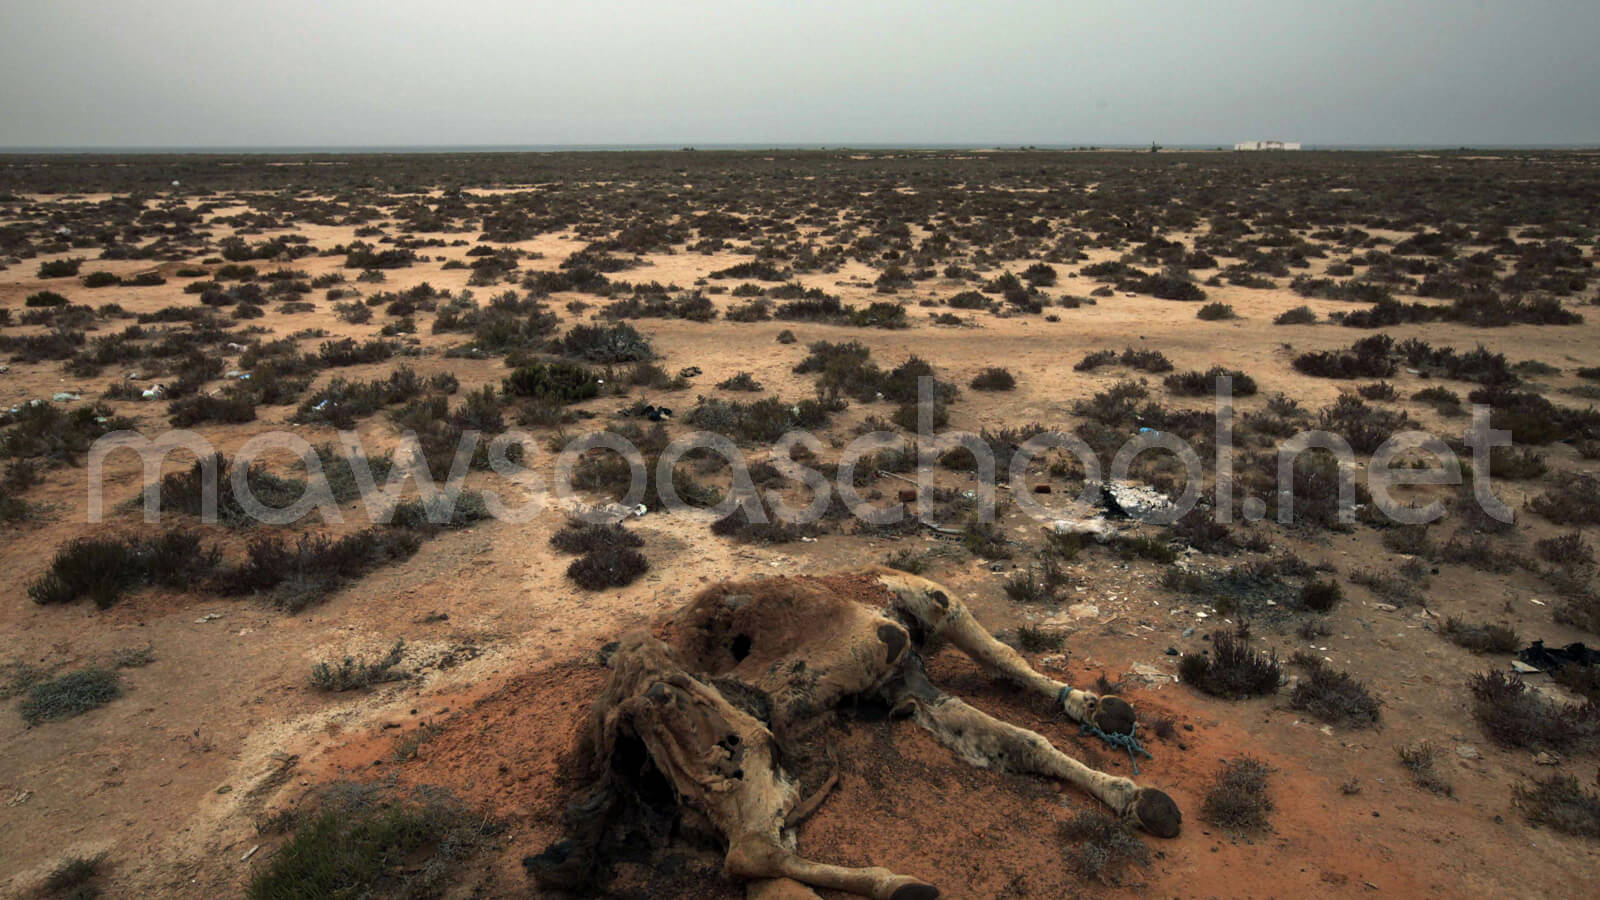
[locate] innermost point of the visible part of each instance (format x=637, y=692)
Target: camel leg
x=944, y=616
x=985, y=741
x=779, y=889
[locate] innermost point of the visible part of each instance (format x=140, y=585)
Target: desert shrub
x=1233, y=670
x=588, y=537
x=1378, y=390
x=1332, y=696
x=100, y=279
x=1213, y=312
x=1034, y=639
x=608, y=567
x=968, y=300
x=1300, y=315
x=184, y=492
x=1203, y=384
x=1041, y=274
x=1560, y=802
x=44, y=431
x=1420, y=760
x=756, y=310
x=908, y=561
x=60, y=268
x=1365, y=427
x=1575, y=502
x=232, y=406
x=1321, y=596
x=985, y=539
x=742, y=381
x=1141, y=547
x=994, y=378
x=1394, y=588
x=1151, y=361
x=786, y=337
x=306, y=572
x=70, y=695
x=615, y=343
x=354, y=313
x=1517, y=463
x=760, y=270
x=354, y=674
x=74, y=878
x=363, y=256
x=1410, y=540
x=360, y=842
x=347, y=352
x=1238, y=799
x=446, y=509
x=555, y=382
x=44, y=300
x=1481, y=552
x=1485, y=637
x=1513, y=716
x=1095, y=360
x=1366, y=358
x=760, y=421
x=1103, y=847
x=103, y=569
x=1566, y=550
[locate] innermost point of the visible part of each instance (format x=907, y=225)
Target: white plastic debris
x=65, y=397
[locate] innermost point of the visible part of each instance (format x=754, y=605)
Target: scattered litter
x=19, y=798
x=1540, y=657
x=65, y=397
x=1095, y=527
x=154, y=392
x=1122, y=499
x=1518, y=665
x=249, y=853
x=689, y=372
x=1467, y=751
x=208, y=617
x=1546, y=758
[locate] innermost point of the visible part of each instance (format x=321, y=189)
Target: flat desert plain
x=224, y=706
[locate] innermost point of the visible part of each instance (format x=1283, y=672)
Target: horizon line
x=354, y=149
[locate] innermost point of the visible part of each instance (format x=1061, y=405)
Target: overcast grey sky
x=478, y=72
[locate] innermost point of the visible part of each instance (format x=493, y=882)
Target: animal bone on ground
x=717, y=693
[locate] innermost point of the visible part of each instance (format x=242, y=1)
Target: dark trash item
x=1541, y=657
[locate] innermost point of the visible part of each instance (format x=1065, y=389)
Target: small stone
x=1172, y=651
x=1545, y=758
x=1467, y=751
x=1518, y=665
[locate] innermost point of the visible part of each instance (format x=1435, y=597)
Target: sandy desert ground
x=179, y=783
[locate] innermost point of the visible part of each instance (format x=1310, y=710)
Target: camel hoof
x=915, y=892
x=1114, y=715
x=1156, y=813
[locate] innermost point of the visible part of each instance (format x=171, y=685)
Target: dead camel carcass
x=715, y=699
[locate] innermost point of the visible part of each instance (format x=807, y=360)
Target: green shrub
x=60, y=268
x=70, y=695
x=555, y=382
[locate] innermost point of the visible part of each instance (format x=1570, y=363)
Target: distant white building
x=1267, y=145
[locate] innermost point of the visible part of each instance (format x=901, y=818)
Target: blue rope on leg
x=1128, y=742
